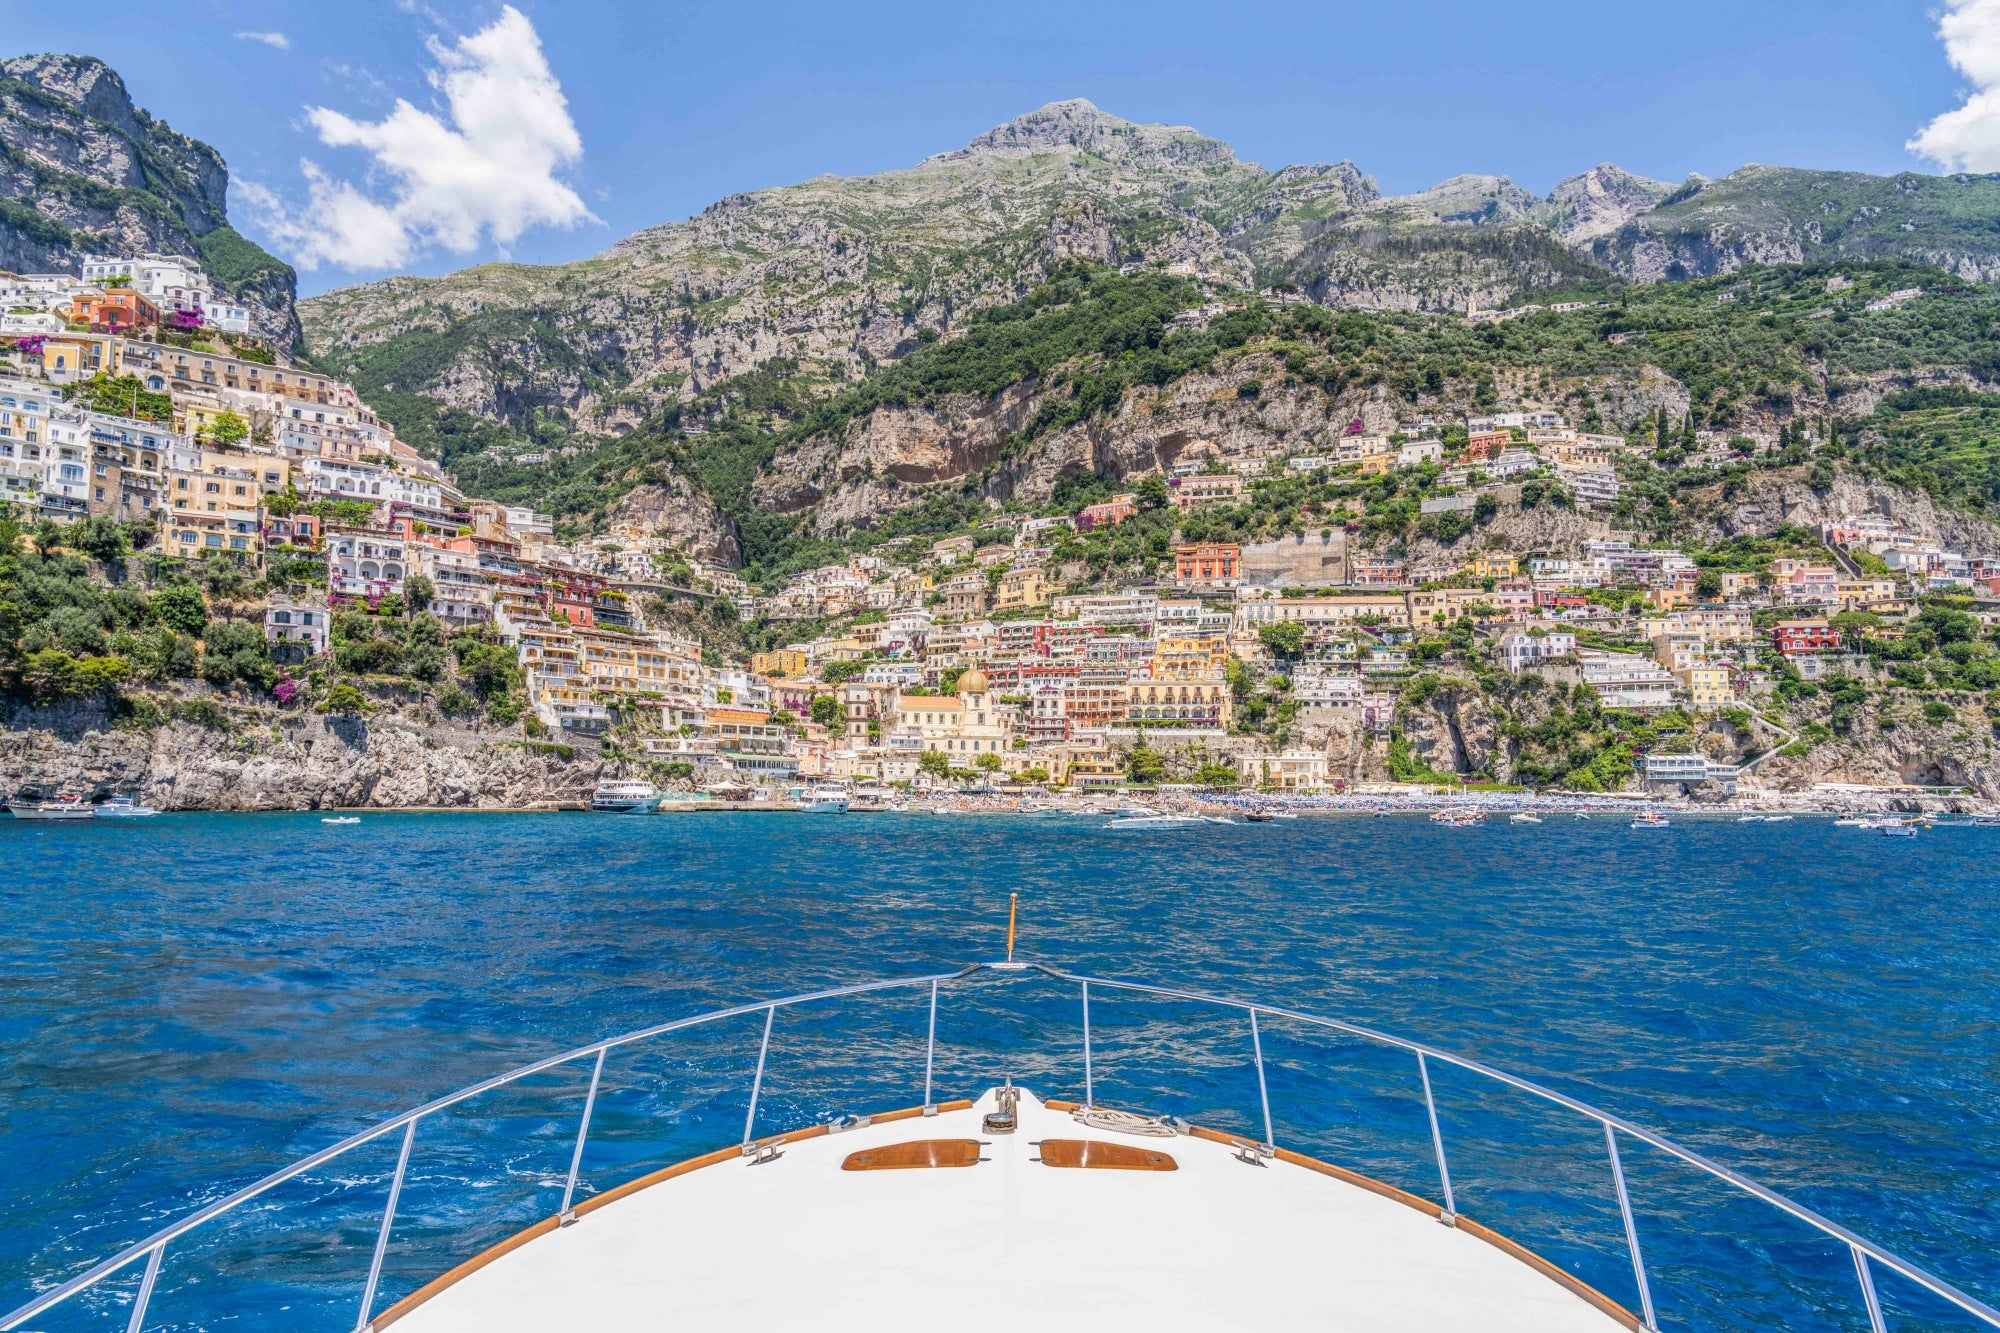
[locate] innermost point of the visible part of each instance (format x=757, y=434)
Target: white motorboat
x=66, y=805
x=1143, y=823
x=1284, y=814
x=883, y=1219
x=125, y=807
x=624, y=796
x=1524, y=818
x=340, y=819
x=1777, y=819
x=1651, y=819
x=825, y=799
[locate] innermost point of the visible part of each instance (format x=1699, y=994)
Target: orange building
x=1107, y=515
x=1213, y=564
x=115, y=310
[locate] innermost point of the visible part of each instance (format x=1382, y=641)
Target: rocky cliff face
x=267, y=761
x=1600, y=201
x=677, y=510
x=83, y=170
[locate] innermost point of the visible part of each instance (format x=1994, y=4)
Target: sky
x=371, y=137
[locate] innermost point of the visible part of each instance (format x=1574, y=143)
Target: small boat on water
x=1259, y=816
x=125, y=807
x=1777, y=819
x=66, y=805
x=340, y=819
x=1459, y=816
x=1284, y=814
x=1890, y=827
x=1849, y=823
x=1145, y=823
x=1651, y=819
x=1749, y=819
x=1523, y=817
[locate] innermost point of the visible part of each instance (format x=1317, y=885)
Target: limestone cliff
x=267, y=760
x=83, y=170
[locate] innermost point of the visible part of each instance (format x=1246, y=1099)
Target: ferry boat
x=1014, y=1205
x=825, y=799
x=66, y=805
x=125, y=807
x=624, y=796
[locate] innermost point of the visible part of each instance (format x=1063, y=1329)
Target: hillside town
x=130, y=395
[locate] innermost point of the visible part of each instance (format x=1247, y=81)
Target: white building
x=1625, y=680
x=296, y=627
x=1521, y=650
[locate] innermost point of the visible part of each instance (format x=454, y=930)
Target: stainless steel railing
x=152, y=1249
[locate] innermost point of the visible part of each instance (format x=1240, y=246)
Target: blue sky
x=677, y=103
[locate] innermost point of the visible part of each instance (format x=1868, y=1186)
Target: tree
x=934, y=763
x=181, y=608
x=1216, y=775
x=1145, y=766
x=229, y=429
x=418, y=593
x=235, y=650
x=99, y=538
x=345, y=699
x=987, y=763
x=825, y=710
x=1151, y=492
x=1708, y=585
x=424, y=651
x=1485, y=508
x=833, y=673
x=1286, y=639
x=48, y=535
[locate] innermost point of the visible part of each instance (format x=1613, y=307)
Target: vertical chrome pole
x=1868, y=1290
x=382, y=1237
x=930, y=1055
x=1263, y=1093
x=1089, y=1091
x=1437, y=1142
x=1631, y=1228
x=576, y=1158
x=138, y=1319
x=757, y=1084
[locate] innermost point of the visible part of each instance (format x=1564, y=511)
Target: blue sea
x=189, y=1002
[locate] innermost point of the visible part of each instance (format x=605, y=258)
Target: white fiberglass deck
x=801, y=1244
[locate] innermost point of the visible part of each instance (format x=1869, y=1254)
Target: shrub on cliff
x=235, y=651
x=52, y=675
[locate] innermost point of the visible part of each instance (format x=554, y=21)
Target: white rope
x=1124, y=1122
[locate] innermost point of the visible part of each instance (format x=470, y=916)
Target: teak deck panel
x=1101, y=1155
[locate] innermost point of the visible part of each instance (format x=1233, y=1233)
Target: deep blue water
x=191, y=1001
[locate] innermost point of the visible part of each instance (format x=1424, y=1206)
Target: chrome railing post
x=1263, y=1093
x=1089, y=1090
x=382, y=1236
x=1437, y=1142
x=565, y=1215
x=1868, y=1295
x=930, y=1055
x=757, y=1084
x=138, y=1319
x=1631, y=1228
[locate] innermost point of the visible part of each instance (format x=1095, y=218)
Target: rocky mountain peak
x=1599, y=201
x=1476, y=199
x=1077, y=126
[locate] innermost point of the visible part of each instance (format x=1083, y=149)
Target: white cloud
x=488, y=173
x=1968, y=139
x=277, y=39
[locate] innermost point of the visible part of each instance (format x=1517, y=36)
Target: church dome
x=972, y=682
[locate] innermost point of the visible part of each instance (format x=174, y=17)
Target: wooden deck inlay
x=1097, y=1155
x=916, y=1154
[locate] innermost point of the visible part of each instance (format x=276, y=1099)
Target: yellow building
x=1707, y=686
x=1202, y=703
x=790, y=663
x=1021, y=589
x=1179, y=657
x=1494, y=565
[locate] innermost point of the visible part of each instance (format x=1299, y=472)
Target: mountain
x=1783, y=215
x=83, y=170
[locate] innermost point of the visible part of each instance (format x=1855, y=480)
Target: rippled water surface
x=193, y=1000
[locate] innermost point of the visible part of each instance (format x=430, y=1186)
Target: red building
x=1107, y=515
x=117, y=310
x=1795, y=638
